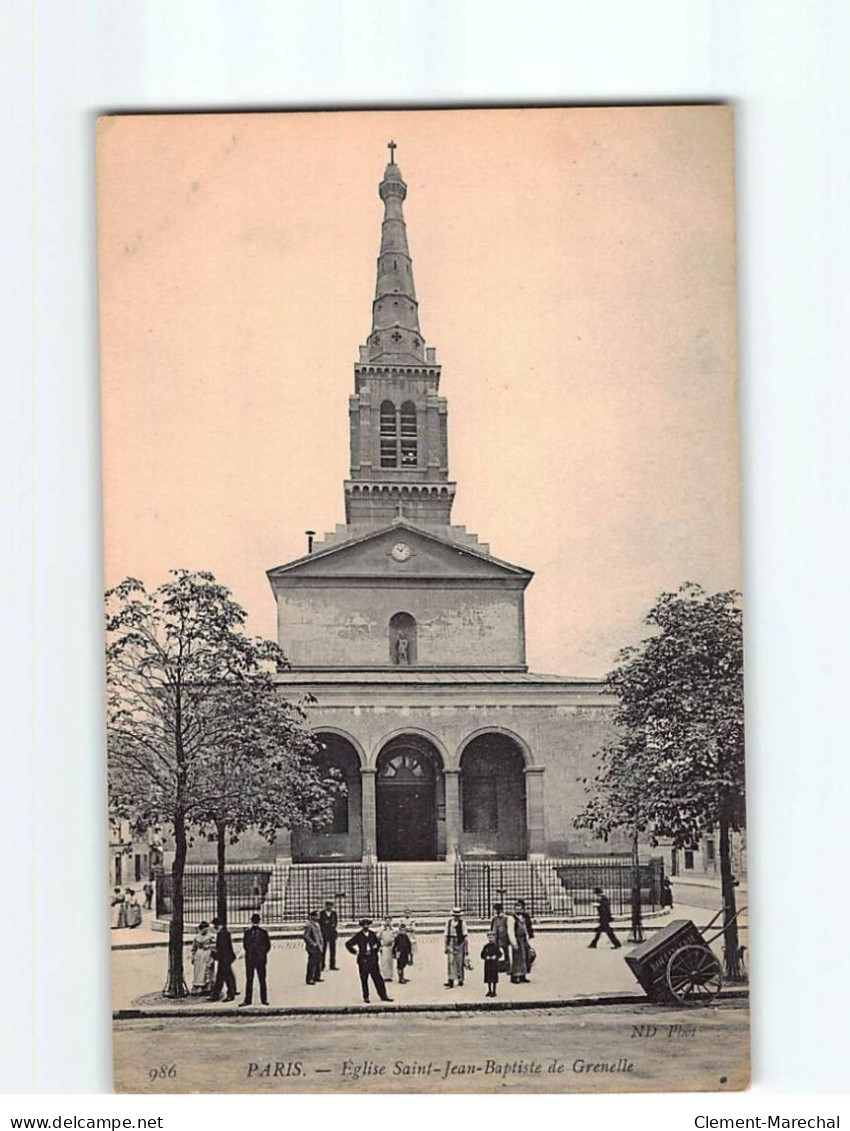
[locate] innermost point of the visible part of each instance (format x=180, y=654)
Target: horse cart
x=677, y=965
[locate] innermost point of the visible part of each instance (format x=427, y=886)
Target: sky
x=575, y=270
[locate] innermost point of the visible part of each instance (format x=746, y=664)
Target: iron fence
x=558, y=888
x=358, y=890
x=280, y=894
x=247, y=889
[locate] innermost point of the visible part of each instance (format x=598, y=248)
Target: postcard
x=424, y=687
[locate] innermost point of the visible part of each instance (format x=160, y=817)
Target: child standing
x=491, y=954
x=402, y=952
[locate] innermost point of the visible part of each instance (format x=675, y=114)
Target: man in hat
x=603, y=926
x=257, y=944
x=313, y=943
x=457, y=949
x=225, y=956
x=328, y=920
x=366, y=946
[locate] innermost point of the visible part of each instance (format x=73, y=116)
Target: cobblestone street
x=615, y=1048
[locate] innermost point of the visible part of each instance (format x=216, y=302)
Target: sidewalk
x=565, y=970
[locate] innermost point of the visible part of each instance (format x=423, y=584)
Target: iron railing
x=280, y=894
x=557, y=888
x=357, y=890
x=247, y=889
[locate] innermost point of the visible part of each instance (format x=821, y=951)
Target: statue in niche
x=402, y=649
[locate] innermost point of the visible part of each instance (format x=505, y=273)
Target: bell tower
x=398, y=420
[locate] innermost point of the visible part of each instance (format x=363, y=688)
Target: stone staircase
x=426, y=888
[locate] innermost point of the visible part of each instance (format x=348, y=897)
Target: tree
x=681, y=715
x=619, y=802
x=177, y=666
x=260, y=772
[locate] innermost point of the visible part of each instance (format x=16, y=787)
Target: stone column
x=369, y=821
x=452, y=781
x=535, y=813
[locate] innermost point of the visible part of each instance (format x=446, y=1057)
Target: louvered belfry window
x=409, y=452
x=398, y=435
x=389, y=435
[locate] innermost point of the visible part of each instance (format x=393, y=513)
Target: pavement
x=566, y=971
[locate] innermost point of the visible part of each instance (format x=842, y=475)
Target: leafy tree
x=619, y=803
x=261, y=771
x=681, y=714
x=178, y=669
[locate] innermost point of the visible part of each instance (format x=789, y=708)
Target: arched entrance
x=406, y=799
x=492, y=793
x=341, y=839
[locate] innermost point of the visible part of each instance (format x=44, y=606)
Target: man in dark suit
x=328, y=923
x=604, y=922
x=313, y=943
x=367, y=948
x=225, y=956
x=257, y=945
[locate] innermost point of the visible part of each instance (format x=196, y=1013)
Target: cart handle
x=710, y=924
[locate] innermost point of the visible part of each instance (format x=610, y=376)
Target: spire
x=398, y=421
x=395, y=334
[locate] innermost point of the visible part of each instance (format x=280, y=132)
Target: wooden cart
x=677, y=964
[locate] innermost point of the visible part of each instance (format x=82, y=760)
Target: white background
x=784, y=65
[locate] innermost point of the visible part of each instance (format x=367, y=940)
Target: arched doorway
x=492, y=794
x=406, y=799
x=341, y=838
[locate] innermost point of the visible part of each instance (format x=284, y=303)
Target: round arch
x=492, y=780
x=521, y=744
x=409, y=792
x=318, y=731
x=401, y=732
x=341, y=756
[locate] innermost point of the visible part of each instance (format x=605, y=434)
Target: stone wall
x=349, y=625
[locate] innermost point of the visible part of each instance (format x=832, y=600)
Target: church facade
x=409, y=634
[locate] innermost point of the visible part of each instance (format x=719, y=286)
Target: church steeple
x=395, y=312
x=399, y=441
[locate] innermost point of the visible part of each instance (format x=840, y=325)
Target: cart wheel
x=694, y=975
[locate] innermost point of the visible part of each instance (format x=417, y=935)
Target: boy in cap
x=402, y=952
x=491, y=953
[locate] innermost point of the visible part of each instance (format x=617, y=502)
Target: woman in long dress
x=132, y=911
x=203, y=963
x=386, y=937
x=457, y=949
x=119, y=917
x=521, y=932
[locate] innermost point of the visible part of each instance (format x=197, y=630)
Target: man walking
x=604, y=922
x=225, y=956
x=257, y=945
x=314, y=944
x=367, y=948
x=328, y=921
x=148, y=890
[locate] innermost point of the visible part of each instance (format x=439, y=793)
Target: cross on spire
x=392, y=147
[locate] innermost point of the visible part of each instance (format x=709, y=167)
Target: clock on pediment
x=400, y=552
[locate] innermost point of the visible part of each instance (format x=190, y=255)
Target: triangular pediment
x=403, y=550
